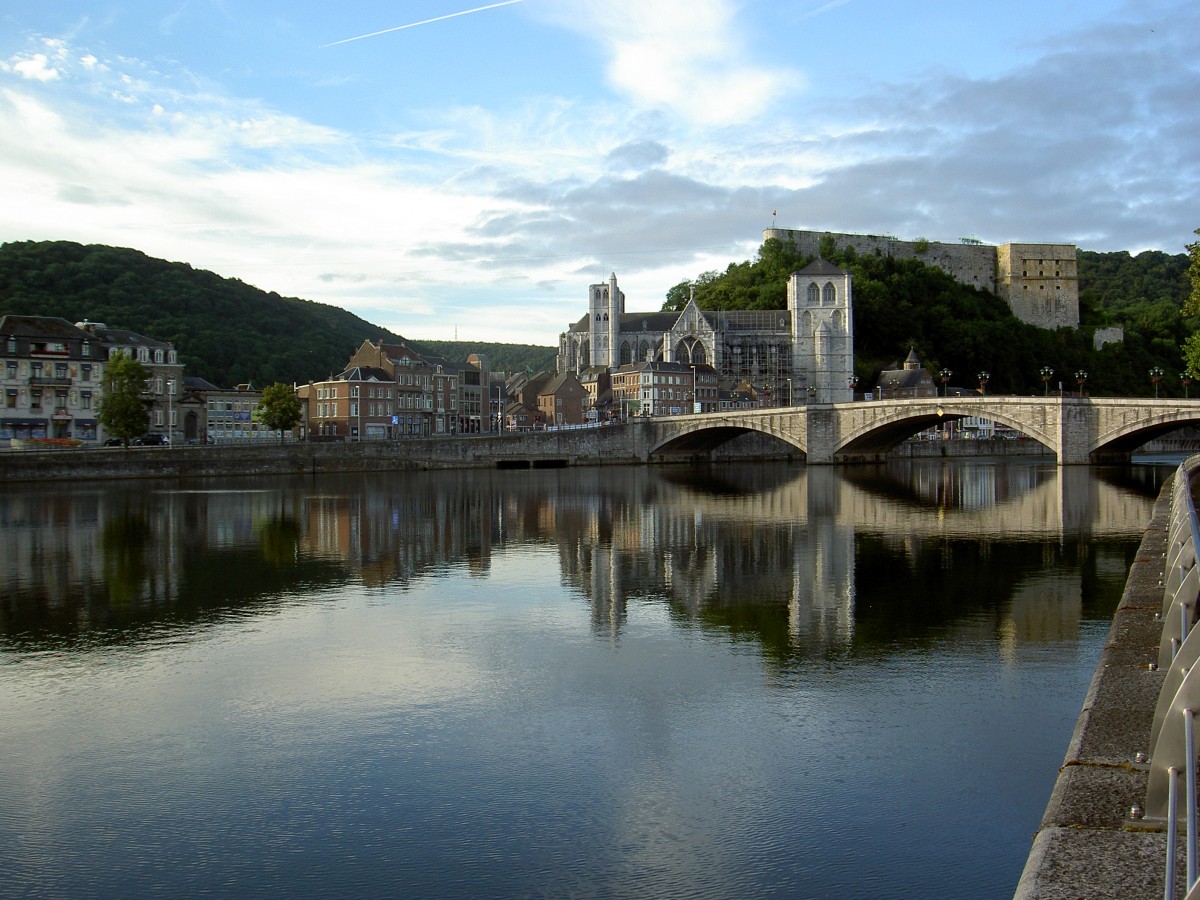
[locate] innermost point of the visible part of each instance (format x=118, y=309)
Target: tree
x=279, y=408
x=1191, y=307
x=122, y=412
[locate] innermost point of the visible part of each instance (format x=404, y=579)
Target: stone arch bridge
x=1076, y=430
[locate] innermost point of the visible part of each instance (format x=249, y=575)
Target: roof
x=41, y=326
x=820, y=266
x=364, y=373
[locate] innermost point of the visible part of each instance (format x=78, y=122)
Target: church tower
x=819, y=299
x=606, y=304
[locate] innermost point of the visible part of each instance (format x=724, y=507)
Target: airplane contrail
x=424, y=22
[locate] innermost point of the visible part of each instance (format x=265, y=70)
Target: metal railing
x=1172, y=733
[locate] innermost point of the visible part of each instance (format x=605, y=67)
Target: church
x=793, y=355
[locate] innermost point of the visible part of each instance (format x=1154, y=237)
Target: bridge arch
x=883, y=426
x=700, y=435
x=1126, y=426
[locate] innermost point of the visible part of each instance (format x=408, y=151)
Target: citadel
x=807, y=348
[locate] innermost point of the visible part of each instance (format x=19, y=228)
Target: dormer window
x=86, y=350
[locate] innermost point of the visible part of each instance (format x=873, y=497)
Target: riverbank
x=1087, y=846
x=558, y=450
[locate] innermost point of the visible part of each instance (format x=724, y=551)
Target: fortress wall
x=970, y=264
x=1040, y=282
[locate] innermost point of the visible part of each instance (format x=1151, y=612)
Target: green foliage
x=279, y=408
x=1192, y=307
x=902, y=304
x=225, y=331
x=122, y=412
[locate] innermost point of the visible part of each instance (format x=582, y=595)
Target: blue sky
x=472, y=175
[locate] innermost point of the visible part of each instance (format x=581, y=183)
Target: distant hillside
x=511, y=358
x=225, y=330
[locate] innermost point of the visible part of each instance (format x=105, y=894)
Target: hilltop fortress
x=1039, y=282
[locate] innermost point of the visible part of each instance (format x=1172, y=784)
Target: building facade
x=165, y=385
x=782, y=353
x=52, y=380
x=1039, y=282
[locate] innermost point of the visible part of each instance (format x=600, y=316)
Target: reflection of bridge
x=1075, y=430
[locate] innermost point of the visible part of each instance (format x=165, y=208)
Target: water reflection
x=743, y=681
x=802, y=561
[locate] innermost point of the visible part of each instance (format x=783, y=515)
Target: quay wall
x=1086, y=845
x=571, y=448
x=592, y=447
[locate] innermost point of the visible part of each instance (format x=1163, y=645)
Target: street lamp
x=1156, y=375
x=1186, y=378
x=1080, y=378
x=170, y=412
x=945, y=375
x=852, y=382
x=812, y=393
x=983, y=380
x=1047, y=374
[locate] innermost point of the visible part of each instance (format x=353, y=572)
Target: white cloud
x=35, y=68
x=686, y=55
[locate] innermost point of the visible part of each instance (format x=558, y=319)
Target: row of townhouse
x=53, y=382
x=389, y=391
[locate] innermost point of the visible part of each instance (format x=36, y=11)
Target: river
x=737, y=681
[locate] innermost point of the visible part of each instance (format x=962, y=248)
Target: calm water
x=735, y=682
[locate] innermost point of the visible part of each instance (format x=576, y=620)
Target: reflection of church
x=804, y=349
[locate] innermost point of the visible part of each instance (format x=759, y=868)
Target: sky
x=449, y=169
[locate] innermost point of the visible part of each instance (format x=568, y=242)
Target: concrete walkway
x=1087, y=846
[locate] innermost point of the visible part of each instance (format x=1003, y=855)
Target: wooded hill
x=903, y=304
x=225, y=331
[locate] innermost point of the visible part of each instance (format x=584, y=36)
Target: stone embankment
x=1087, y=844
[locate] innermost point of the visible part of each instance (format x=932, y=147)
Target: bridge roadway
x=1078, y=431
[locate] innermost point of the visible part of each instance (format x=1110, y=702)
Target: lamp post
x=945, y=376
x=1047, y=374
x=695, y=391
x=1080, y=379
x=983, y=376
x=852, y=383
x=170, y=412
x=894, y=383
x=1186, y=378
x=812, y=393
x=1156, y=375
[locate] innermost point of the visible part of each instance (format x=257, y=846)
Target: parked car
x=150, y=440
x=114, y=442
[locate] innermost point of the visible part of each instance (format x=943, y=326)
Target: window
x=12, y=345
x=86, y=350
x=353, y=409
x=85, y=371
x=35, y=399
x=10, y=369
x=10, y=398
x=158, y=356
x=85, y=399
x=60, y=370
x=36, y=370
